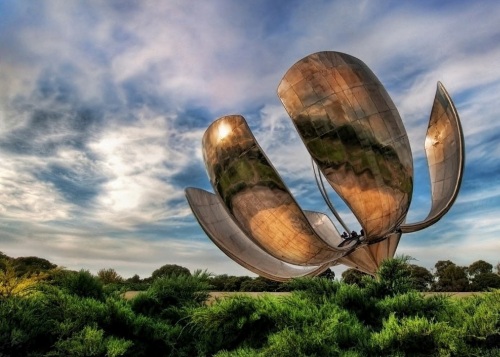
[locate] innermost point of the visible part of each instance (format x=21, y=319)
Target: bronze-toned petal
x=256, y=196
x=445, y=150
x=227, y=235
x=353, y=131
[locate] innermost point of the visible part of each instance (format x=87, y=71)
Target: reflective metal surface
x=225, y=233
x=356, y=138
x=445, y=150
x=353, y=131
x=257, y=198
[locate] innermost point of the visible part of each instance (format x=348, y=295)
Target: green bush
x=276, y=326
x=82, y=284
x=26, y=325
x=412, y=304
x=414, y=336
x=168, y=296
x=476, y=318
x=231, y=322
x=314, y=287
x=90, y=341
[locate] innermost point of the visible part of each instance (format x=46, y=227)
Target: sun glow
x=224, y=130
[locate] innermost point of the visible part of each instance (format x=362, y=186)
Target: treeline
x=50, y=311
x=446, y=276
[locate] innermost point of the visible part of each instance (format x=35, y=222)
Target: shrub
x=82, y=284
x=90, y=341
x=26, y=325
x=414, y=336
x=314, y=287
x=229, y=323
x=167, y=296
x=412, y=304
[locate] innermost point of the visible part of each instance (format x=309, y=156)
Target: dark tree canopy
x=450, y=277
x=109, y=276
x=422, y=278
x=479, y=267
x=485, y=282
x=30, y=265
x=259, y=284
x=226, y=282
x=134, y=279
x=170, y=270
x=352, y=276
x=328, y=274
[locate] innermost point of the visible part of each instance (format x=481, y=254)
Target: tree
x=486, y=281
x=32, y=265
x=394, y=277
x=479, y=267
x=482, y=277
x=260, y=284
x=226, y=282
x=498, y=268
x=169, y=270
x=109, y=276
x=352, y=276
x=134, y=279
x=327, y=274
x=422, y=278
x=450, y=277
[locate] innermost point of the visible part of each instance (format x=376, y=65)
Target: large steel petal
x=256, y=196
x=445, y=150
x=355, y=135
x=227, y=235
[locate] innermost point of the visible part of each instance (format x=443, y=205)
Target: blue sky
x=103, y=106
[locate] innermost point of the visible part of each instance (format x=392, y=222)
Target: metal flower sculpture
x=357, y=141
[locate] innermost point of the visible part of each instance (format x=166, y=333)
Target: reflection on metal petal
x=226, y=235
x=257, y=197
x=353, y=131
x=445, y=150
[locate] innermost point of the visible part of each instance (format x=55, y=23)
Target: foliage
x=260, y=284
x=485, y=282
x=169, y=270
x=316, y=288
x=327, y=274
x=167, y=295
x=422, y=277
x=109, y=276
x=226, y=282
x=83, y=284
x=450, y=277
x=13, y=284
x=90, y=341
x=352, y=276
x=479, y=267
x=32, y=265
x=385, y=315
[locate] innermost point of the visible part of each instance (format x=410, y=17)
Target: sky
x=103, y=105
